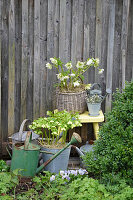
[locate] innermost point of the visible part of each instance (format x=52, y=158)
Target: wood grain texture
x=0, y=74
x=52, y=49
x=65, y=31
x=36, y=91
x=110, y=54
x=43, y=55
x=4, y=70
x=24, y=61
x=11, y=78
x=98, y=41
x=77, y=31
x=117, y=44
x=18, y=63
x=30, y=57
x=124, y=35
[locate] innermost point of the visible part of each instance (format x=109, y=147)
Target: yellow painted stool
x=85, y=118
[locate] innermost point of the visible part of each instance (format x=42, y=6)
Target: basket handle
x=21, y=128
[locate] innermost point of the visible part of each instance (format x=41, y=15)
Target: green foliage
x=78, y=186
x=3, y=166
x=113, y=152
x=56, y=123
x=8, y=181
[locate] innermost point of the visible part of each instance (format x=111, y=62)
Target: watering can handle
x=21, y=128
x=94, y=84
x=27, y=140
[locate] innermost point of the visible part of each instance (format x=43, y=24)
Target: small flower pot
x=94, y=108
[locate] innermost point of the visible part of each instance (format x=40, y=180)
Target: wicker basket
x=74, y=102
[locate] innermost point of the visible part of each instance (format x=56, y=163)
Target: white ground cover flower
x=52, y=178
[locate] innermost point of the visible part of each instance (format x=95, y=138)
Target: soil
x=24, y=185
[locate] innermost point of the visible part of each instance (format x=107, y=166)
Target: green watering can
x=25, y=157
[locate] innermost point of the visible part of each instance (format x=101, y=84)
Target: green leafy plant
x=3, y=166
x=113, y=151
x=55, y=125
x=71, y=77
x=8, y=182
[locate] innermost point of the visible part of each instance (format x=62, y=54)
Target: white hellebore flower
x=76, y=83
x=53, y=60
x=68, y=65
x=69, y=122
x=101, y=71
x=97, y=61
x=72, y=75
x=49, y=66
x=66, y=77
x=80, y=65
x=89, y=62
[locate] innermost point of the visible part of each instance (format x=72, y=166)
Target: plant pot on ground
x=53, y=130
x=71, y=91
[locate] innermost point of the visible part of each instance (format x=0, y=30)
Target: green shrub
x=113, y=151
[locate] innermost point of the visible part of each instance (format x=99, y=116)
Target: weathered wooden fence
x=32, y=31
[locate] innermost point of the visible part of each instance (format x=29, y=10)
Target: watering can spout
x=75, y=138
x=78, y=150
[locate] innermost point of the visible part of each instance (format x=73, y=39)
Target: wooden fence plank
x=98, y=42
x=117, y=45
x=92, y=35
x=77, y=31
x=4, y=71
x=0, y=74
x=18, y=56
x=124, y=34
x=65, y=31
x=129, y=56
x=110, y=54
x=24, y=58
x=30, y=77
x=36, y=92
x=52, y=49
x=86, y=37
x=43, y=54
x=11, y=78
x=105, y=22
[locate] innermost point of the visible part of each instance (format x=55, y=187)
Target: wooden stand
x=85, y=118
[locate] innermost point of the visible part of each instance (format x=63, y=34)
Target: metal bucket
x=59, y=163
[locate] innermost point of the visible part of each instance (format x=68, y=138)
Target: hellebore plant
x=55, y=126
x=71, y=77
